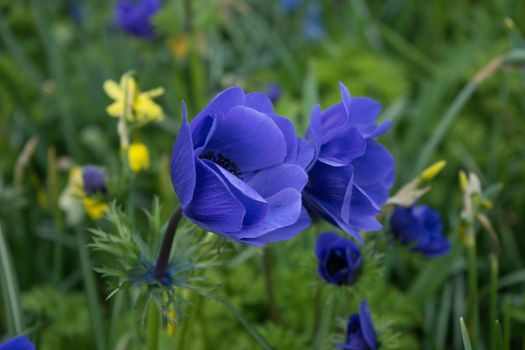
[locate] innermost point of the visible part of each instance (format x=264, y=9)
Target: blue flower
x=421, y=227
x=274, y=92
x=94, y=180
x=235, y=173
x=18, y=343
x=134, y=16
x=313, y=28
x=351, y=173
x=340, y=259
x=290, y=5
x=360, y=333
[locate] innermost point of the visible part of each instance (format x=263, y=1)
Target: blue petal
x=18, y=343
x=323, y=242
x=437, y=245
x=255, y=205
x=248, y=138
x=268, y=182
x=314, y=134
x=305, y=154
x=374, y=166
x=213, y=206
x=202, y=132
x=182, y=166
x=282, y=234
x=259, y=101
x=367, y=327
x=341, y=150
x=221, y=104
x=288, y=131
x=285, y=210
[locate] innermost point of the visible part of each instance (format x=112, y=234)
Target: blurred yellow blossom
x=131, y=103
x=180, y=46
x=94, y=209
x=138, y=157
x=170, y=327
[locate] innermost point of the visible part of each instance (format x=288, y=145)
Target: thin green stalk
x=91, y=290
x=53, y=191
x=494, y=302
x=464, y=333
x=118, y=303
x=153, y=322
x=473, y=309
x=9, y=288
x=506, y=325
x=325, y=322
x=499, y=335
x=268, y=284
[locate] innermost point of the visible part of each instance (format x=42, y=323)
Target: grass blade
x=247, y=325
x=464, y=334
x=9, y=287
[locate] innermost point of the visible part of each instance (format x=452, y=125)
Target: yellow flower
x=170, y=327
x=93, y=208
x=430, y=172
x=138, y=157
x=130, y=102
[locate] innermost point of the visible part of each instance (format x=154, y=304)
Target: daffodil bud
x=138, y=157
x=431, y=172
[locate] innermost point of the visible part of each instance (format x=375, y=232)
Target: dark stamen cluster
x=223, y=162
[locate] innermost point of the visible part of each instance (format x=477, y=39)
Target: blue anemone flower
x=17, y=343
x=235, y=173
x=340, y=259
x=351, y=173
x=360, y=332
x=134, y=16
x=94, y=180
x=421, y=227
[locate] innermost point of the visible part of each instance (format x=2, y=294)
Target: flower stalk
x=161, y=266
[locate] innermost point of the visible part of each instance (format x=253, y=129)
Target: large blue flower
x=134, y=16
x=340, y=259
x=18, y=343
x=351, y=174
x=235, y=173
x=360, y=333
x=420, y=227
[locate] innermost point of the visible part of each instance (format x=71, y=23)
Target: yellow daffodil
x=131, y=103
x=138, y=157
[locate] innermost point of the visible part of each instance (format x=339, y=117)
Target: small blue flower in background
x=274, y=92
x=290, y=5
x=313, y=28
x=340, y=259
x=94, y=180
x=360, y=333
x=18, y=343
x=235, y=173
x=351, y=174
x=421, y=227
x=134, y=16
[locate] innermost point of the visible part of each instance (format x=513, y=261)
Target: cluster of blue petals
x=340, y=259
x=94, y=180
x=17, y=343
x=360, y=333
x=134, y=17
x=420, y=227
x=240, y=170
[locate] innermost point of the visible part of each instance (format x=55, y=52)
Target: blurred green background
x=415, y=57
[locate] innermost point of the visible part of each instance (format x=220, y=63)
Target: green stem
x=493, y=302
x=91, y=290
x=506, y=325
x=327, y=314
x=268, y=283
x=153, y=322
x=473, y=307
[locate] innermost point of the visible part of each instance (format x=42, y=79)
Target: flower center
x=335, y=263
x=223, y=162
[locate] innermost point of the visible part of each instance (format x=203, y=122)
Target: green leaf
x=464, y=334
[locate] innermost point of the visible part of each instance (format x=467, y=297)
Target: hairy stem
x=164, y=256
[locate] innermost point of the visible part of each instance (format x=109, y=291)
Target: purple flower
x=94, y=180
x=235, y=173
x=360, y=333
x=340, y=259
x=421, y=227
x=17, y=343
x=351, y=173
x=274, y=92
x=134, y=16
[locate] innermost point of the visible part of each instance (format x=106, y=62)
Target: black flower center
x=223, y=162
x=335, y=263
